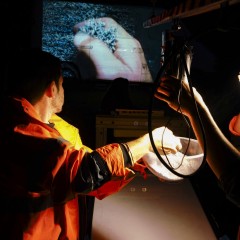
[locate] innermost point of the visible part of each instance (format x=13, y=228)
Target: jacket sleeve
x=232, y=125
x=103, y=172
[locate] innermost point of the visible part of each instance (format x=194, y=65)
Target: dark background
x=214, y=72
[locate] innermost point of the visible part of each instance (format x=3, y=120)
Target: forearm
x=164, y=140
x=138, y=148
x=221, y=154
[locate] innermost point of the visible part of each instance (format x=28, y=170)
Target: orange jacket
x=43, y=174
x=232, y=126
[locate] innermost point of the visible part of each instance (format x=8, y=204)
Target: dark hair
x=30, y=72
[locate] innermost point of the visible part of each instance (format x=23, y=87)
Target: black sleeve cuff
x=127, y=155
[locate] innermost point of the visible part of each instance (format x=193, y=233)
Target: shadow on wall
x=116, y=97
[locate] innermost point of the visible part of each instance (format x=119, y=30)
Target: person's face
x=58, y=99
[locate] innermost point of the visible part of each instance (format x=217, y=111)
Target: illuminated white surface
x=151, y=210
x=185, y=162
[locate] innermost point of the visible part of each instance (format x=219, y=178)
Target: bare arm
x=163, y=138
x=222, y=156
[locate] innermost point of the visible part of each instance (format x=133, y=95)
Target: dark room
x=136, y=135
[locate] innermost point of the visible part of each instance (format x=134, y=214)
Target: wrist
x=129, y=159
x=139, y=147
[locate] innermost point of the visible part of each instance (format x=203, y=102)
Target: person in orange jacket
x=222, y=156
x=45, y=168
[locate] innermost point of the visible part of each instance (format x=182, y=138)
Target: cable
x=175, y=53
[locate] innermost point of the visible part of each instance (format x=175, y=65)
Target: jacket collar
x=28, y=108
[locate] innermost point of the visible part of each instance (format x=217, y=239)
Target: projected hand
x=110, y=51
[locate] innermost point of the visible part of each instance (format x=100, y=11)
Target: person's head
x=31, y=72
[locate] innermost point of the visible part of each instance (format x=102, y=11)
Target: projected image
x=104, y=42
x=112, y=52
